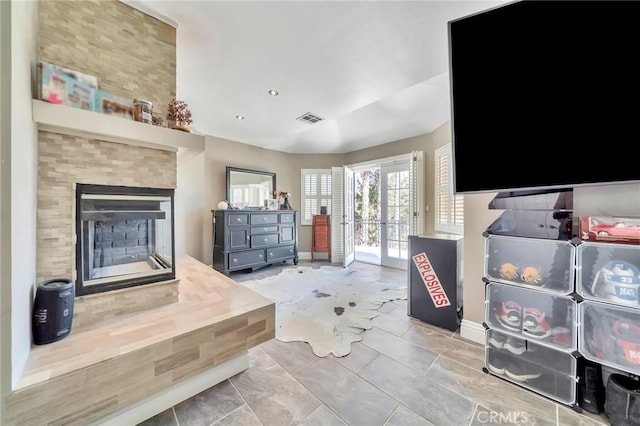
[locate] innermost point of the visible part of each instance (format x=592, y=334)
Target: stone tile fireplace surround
x=65, y=160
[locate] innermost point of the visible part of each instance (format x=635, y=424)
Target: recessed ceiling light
x=273, y=92
x=240, y=117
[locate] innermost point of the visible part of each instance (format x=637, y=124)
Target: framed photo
x=108, y=103
x=62, y=86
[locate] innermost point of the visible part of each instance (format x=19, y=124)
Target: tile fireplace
x=124, y=237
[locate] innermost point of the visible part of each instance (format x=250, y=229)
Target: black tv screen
x=545, y=94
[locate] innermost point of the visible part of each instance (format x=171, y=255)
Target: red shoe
x=510, y=315
x=534, y=324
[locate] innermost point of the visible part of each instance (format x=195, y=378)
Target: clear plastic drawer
x=533, y=366
x=610, y=335
x=609, y=272
x=547, y=319
x=545, y=265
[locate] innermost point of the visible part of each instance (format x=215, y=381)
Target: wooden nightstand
x=321, y=235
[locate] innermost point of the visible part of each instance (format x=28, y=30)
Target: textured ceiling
x=375, y=71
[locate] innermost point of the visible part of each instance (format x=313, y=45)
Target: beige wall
x=5, y=205
x=190, y=203
x=477, y=217
x=23, y=181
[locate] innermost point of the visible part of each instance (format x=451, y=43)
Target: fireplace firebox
x=124, y=237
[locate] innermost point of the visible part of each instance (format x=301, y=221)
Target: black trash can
x=53, y=311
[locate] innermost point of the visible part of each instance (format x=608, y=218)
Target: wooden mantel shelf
x=77, y=122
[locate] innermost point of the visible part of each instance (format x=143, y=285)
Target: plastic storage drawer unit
x=609, y=272
x=549, y=320
x=610, y=335
x=535, y=367
x=545, y=265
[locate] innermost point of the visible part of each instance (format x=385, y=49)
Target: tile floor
x=403, y=372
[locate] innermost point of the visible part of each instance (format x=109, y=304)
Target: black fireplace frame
x=81, y=189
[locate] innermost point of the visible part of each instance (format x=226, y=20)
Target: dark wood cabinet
x=321, y=235
x=245, y=239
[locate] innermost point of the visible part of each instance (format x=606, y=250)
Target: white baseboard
x=304, y=255
x=472, y=331
x=167, y=398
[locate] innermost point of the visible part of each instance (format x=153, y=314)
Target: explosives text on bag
x=431, y=280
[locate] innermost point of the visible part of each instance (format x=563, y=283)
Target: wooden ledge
x=108, y=366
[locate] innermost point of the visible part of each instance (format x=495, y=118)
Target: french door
x=399, y=204
x=343, y=208
x=349, y=216
x=395, y=214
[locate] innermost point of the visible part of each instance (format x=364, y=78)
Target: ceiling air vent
x=309, y=118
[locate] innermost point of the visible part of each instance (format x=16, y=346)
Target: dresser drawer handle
x=260, y=256
x=238, y=220
x=266, y=240
x=271, y=253
x=248, y=237
x=264, y=219
x=290, y=250
x=235, y=260
x=266, y=229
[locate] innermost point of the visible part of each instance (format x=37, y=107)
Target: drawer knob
x=271, y=253
x=264, y=218
x=266, y=229
x=248, y=237
x=235, y=260
x=266, y=239
x=291, y=250
x=237, y=219
x=260, y=256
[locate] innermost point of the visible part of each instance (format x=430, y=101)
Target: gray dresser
x=253, y=239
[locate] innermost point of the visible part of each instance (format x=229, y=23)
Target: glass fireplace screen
x=124, y=237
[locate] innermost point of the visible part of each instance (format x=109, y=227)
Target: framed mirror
x=249, y=188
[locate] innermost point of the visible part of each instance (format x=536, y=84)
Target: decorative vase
x=286, y=205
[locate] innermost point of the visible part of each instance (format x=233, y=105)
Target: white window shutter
x=416, y=197
x=449, y=209
x=337, y=212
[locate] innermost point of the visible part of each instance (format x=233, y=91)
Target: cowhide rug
x=328, y=307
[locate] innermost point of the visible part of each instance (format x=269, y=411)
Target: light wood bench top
x=206, y=298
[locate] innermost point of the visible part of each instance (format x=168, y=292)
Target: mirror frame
x=250, y=171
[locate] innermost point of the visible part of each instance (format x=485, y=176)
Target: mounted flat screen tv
x=545, y=94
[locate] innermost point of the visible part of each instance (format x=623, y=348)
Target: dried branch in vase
x=179, y=112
